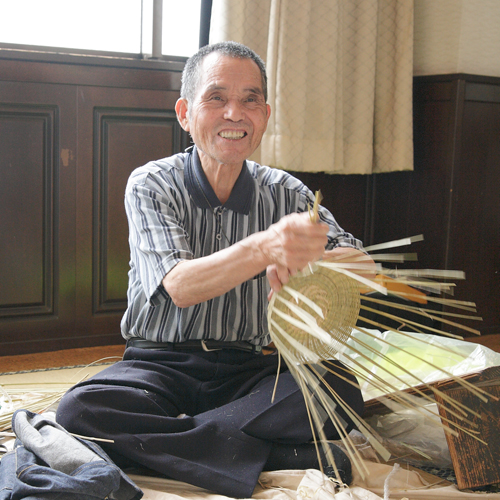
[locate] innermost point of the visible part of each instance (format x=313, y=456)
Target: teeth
x=232, y=135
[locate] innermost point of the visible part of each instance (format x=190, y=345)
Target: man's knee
x=83, y=409
x=69, y=412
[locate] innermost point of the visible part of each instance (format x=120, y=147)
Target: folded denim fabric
x=48, y=463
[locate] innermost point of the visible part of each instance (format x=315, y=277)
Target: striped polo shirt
x=173, y=215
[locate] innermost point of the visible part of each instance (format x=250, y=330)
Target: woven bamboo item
x=311, y=321
x=329, y=299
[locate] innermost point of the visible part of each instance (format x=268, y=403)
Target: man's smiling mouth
x=232, y=134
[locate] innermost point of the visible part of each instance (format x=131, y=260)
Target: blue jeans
x=48, y=463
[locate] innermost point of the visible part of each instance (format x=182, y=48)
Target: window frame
x=106, y=58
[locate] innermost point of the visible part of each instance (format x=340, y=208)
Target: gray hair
x=192, y=70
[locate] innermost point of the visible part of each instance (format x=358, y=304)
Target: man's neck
x=222, y=177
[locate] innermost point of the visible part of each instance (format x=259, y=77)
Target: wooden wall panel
x=475, y=233
x=348, y=197
x=452, y=197
x=116, y=153
x=119, y=130
x=91, y=71
x=37, y=286
x=26, y=203
x=70, y=134
x=418, y=202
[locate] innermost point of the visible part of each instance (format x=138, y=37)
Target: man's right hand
x=290, y=245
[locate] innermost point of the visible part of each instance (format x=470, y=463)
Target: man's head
x=193, y=68
x=223, y=105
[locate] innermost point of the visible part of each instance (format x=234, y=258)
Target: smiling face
x=229, y=113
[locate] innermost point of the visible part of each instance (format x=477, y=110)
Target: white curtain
x=340, y=80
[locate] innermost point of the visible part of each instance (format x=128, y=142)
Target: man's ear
x=181, y=109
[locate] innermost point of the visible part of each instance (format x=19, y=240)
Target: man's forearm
x=193, y=281
x=290, y=244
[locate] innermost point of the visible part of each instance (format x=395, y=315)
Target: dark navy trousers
x=205, y=418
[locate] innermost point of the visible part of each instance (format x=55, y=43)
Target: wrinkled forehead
x=223, y=71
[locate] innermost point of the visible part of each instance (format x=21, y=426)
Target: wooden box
x=475, y=464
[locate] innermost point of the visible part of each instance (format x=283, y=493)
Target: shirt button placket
x=218, y=215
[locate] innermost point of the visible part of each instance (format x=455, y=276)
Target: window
x=122, y=26
x=181, y=27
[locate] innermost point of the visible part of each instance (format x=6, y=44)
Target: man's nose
x=233, y=110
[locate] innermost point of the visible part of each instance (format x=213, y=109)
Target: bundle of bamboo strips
x=312, y=318
x=40, y=396
x=36, y=399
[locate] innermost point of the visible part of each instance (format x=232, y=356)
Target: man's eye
x=254, y=99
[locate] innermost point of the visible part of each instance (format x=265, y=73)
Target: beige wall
x=457, y=36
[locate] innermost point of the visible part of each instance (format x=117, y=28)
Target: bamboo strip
x=420, y=311
x=416, y=308
x=426, y=273
x=395, y=243
x=396, y=257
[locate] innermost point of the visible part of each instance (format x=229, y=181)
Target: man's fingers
x=283, y=275
x=272, y=277
x=277, y=277
x=292, y=243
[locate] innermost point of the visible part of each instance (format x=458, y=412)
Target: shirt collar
x=204, y=196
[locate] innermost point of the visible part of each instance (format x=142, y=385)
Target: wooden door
x=66, y=153
x=38, y=147
x=118, y=130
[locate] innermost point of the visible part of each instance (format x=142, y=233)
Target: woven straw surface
x=337, y=295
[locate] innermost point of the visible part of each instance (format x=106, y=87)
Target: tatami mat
x=57, y=359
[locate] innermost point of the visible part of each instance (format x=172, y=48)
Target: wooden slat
x=474, y=463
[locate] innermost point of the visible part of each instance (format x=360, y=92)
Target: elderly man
x=212, y=235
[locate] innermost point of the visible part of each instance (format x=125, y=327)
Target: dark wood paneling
x=482, y=92
x=475, y=233
x=67, y=150
x=72, y=133
x=452, y=195
x=348, y=197
x=119, y=130
x=27, y=224
x=37, y=260
x=418, y=202
x=91, y=71
x=391, y=206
